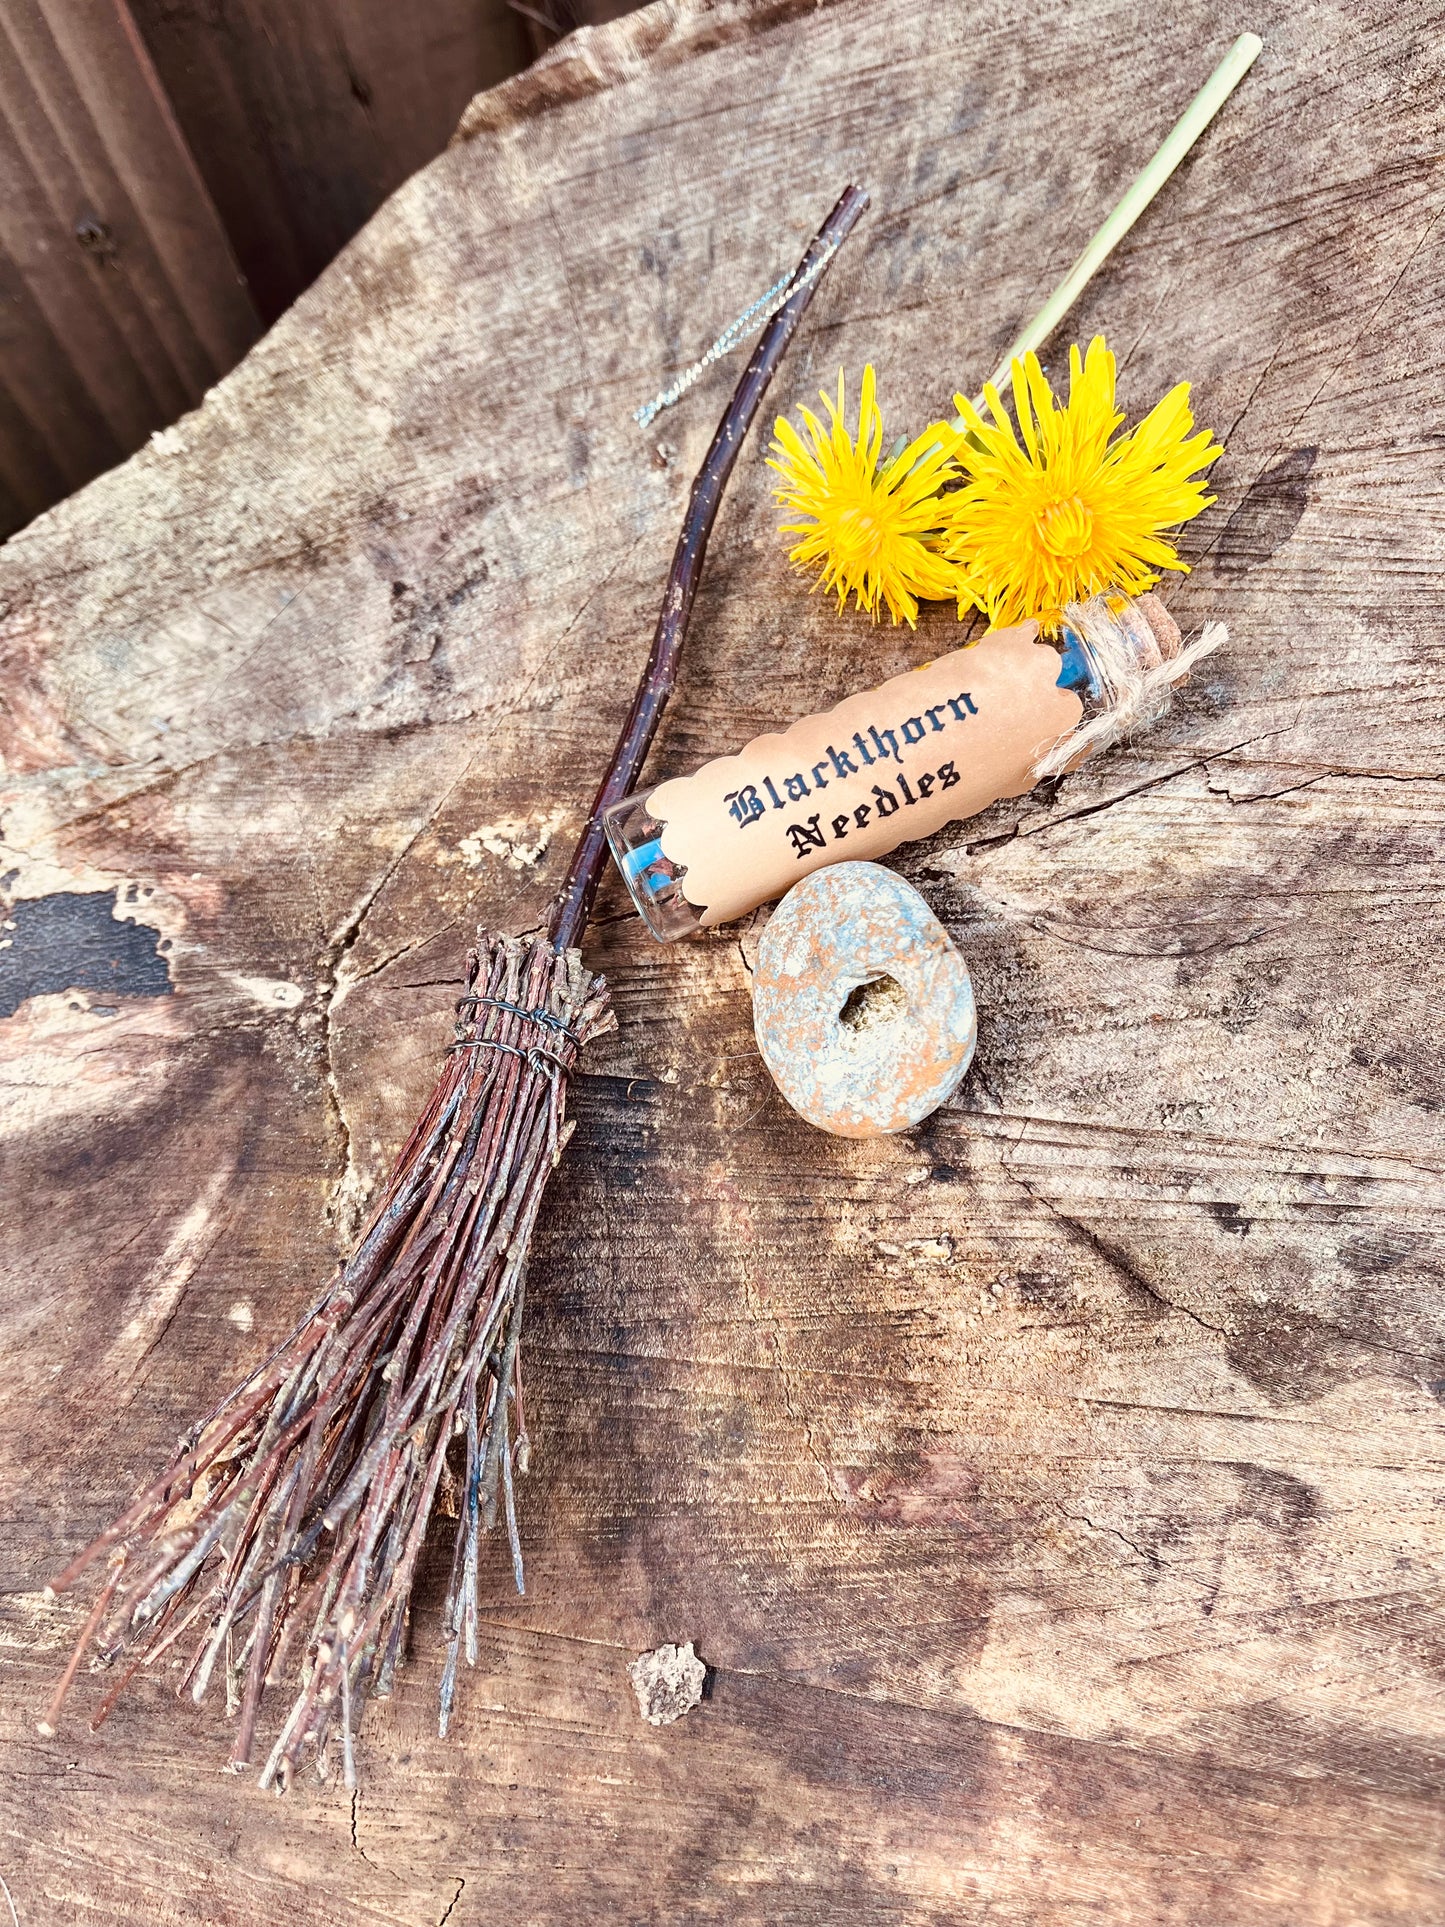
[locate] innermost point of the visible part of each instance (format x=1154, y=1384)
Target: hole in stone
x=883, y=1001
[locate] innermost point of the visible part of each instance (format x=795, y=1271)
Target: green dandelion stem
x=1186, y=131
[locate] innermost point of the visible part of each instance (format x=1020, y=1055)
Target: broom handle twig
x=575, y=902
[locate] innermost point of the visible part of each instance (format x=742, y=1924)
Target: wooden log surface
x=1054, y=1492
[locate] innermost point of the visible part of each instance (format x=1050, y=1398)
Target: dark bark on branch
x=569, y=919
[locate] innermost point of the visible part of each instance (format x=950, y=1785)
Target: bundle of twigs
x=287, y=1529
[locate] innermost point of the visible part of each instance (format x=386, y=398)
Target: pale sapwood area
x=1055, y=1491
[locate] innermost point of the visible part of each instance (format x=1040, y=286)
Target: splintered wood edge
x=593, y=59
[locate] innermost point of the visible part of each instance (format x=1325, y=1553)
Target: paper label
x=898, y=762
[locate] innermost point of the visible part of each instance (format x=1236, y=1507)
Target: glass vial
x=653, y=880
x=891, y=765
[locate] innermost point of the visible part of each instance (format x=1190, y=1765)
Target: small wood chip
x=668, y=1683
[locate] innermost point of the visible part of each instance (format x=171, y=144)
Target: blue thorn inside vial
x=636, y=863
x=1075, y=671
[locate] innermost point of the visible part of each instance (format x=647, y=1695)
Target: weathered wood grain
x=1055, y=1491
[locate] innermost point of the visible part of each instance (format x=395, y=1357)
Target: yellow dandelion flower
x=1059, y=511
x=870, y=531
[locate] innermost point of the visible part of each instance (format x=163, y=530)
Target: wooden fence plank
x=122, y=300
x=304, y=115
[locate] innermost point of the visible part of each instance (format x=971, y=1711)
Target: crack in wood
x=1117, y=1261
x=1145, y=1557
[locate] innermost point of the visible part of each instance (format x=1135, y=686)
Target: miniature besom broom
x=287, y=1529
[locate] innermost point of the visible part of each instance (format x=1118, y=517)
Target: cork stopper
x=1137, y=658
x=1162, y=626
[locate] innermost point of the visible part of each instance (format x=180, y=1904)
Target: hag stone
x=862, y=1005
